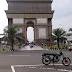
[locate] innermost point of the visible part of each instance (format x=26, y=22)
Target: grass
x=55, y=46
x=4, y=48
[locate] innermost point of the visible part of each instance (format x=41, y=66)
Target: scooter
x=47, y=58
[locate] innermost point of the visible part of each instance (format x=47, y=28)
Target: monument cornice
x=29, y=15
x=28, y=12
x=29, y=1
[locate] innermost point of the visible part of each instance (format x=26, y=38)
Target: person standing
x=42, y=45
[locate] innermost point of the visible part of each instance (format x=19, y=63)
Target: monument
x=35, y=13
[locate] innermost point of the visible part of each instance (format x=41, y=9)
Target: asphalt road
x=30, y=61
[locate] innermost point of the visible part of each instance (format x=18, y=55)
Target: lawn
x=55, y=46
x=4, y=48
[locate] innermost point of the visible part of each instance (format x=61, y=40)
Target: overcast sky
x=62, y=15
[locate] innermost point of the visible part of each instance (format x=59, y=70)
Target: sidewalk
x=33, y=48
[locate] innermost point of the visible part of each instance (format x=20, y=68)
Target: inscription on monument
x=41, y=20
x=42, y=33
x=18, y=21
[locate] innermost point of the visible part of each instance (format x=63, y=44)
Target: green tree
x=52, y=38
x=69, y=34
x=12, y=34
x=70, y=29
x=59, y=35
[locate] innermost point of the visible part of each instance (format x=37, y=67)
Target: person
x=19, y=45
x=42, y=45
x=34, y=43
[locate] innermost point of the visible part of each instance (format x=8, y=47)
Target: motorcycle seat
x=49, y=54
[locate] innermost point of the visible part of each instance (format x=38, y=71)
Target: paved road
x=29, y=57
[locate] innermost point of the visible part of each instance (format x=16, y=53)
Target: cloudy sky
x=62, y=15
x=3, y=18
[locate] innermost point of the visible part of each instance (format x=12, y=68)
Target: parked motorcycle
x=47, y=58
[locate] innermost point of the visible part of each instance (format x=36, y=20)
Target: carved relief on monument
x=41, y=20
x=29, y=6
x=42, y=33
x=18, y=20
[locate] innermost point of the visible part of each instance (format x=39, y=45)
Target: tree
x=69, y=34
x=52, y=38
x=59, y=34
x=70, y=29
x=12, y=34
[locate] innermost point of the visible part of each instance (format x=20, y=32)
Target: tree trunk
x=12, y=47
x=58, y=42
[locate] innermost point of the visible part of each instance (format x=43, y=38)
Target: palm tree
x=59, y=34
x=69, y=34
x=70, y=29
x=52, y=38
x=12, y=34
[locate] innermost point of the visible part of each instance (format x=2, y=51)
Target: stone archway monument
x=35, y=13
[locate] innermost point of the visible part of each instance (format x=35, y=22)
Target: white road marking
x=62, y=70
x=13, y=70
x=35, y=65
x=50, y=68
x=12, y=67
x=18, y=55
x=58, y=64
x=32, y=67
x=27, y=65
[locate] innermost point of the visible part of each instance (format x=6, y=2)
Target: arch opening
x=30, y=31
x=30, y=34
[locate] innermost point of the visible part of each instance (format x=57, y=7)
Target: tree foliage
x=12, y=34
x=70, y=29
x=59, y=35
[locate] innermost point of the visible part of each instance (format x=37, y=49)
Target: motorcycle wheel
x=46, y=60
x=66, y=61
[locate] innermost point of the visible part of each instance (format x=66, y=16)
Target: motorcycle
x=47, y=58
x=31, y=46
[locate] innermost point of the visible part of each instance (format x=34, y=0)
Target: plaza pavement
x=33, y=48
